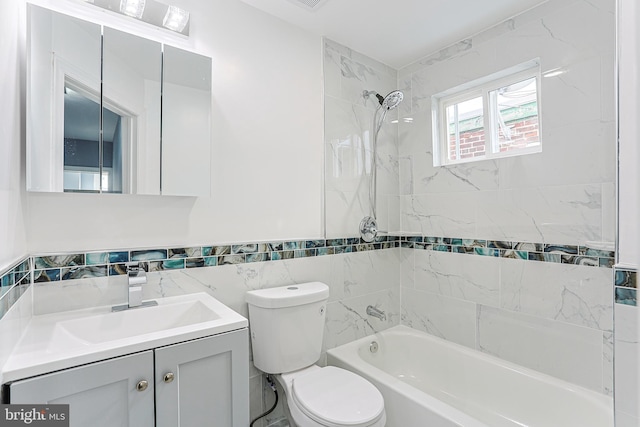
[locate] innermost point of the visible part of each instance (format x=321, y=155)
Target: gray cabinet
x=101, y=394
x=199, y=381
x=194, y=384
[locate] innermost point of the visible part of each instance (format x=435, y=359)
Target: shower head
x=392, y=100
x=389, y=102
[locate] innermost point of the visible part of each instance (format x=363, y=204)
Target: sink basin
x=139, y=321
x=71, y=338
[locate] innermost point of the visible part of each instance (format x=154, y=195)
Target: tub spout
x=376, y=312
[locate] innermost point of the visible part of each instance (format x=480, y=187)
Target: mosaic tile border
x=13, y=283
x=52, y=268
x=60, y=267
x=626, y=286
x=544, y=252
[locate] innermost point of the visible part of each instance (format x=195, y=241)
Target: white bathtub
x=430, y=382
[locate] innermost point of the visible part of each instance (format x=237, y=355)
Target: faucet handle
x=137, y=274
x=135, y=269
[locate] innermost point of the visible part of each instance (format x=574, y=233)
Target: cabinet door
x=102, y=394
x=204, y=382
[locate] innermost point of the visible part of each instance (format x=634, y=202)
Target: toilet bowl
x=287, y=326
x=331, y=397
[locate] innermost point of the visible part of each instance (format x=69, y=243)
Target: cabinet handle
x=168, y=377
x=142, y=385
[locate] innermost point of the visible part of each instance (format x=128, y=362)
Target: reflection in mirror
x=81, y=138
x=132, y=70
x=82, y=162
x=64, y=78
x=186, y=123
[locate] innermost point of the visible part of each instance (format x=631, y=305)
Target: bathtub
x=430, y=382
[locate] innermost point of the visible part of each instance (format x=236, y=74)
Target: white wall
x=627, y=327
x=12, y=226
x=629, y=108
x=266, y=149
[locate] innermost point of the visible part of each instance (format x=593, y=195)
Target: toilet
x=287, y=325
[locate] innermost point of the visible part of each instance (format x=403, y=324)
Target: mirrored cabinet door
x=63, y=102
x=186, y=123
x=109, y=112
x=132, y=72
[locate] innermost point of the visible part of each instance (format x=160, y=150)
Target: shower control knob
x=142, y=385
x=168, y=377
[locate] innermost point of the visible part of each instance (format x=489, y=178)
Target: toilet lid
x=335, y=397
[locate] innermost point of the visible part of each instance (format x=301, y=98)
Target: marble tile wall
x=552, y=317
x=555, y=317
x=349, y=138
x=563, y=195
x=358, y=275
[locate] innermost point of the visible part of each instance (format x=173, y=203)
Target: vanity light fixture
x=175, y=19
x=152, y=12
x=134, y=8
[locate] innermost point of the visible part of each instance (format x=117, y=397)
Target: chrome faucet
x=136, y=277
x=376, y=312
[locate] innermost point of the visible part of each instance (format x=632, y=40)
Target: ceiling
x=395, y=32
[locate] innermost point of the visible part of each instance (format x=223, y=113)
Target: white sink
x=138, y=321
x=61, y=340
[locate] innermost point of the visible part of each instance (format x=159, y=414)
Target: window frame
x=482, y=87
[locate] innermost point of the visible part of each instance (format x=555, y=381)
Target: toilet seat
x=335, y=397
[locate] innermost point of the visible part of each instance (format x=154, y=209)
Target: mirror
x=63, y=74
x=186, y=99
x=83, y=79
x=131, y=93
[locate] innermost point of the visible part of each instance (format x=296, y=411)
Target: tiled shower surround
x=554, y=316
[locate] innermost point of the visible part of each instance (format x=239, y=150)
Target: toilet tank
x=287, y=325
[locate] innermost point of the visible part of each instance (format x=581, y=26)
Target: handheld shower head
x=392, y=100
x=389, y=102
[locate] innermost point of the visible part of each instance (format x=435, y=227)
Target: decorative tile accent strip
x=627, y=296
x=565, y=254
x=59, y=261
x=53, y=268
x=13, y=283
x=97, y=264
x=626, y=286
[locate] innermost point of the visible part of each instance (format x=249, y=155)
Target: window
x=496, y=116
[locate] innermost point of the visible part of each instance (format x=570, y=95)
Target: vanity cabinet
x=194, y=384
x=204, y=382
x=101, y=394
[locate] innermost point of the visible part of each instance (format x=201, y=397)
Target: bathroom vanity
x=184, y=362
